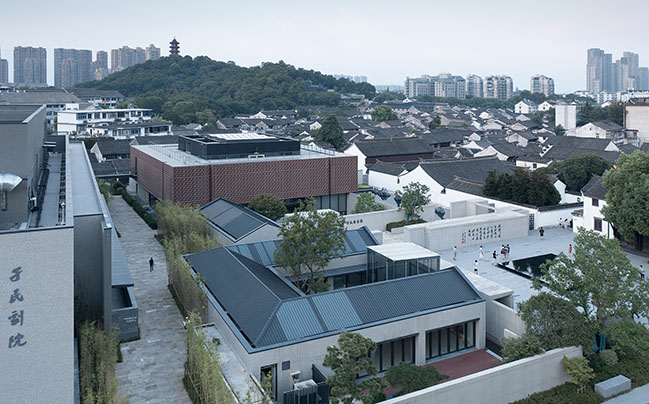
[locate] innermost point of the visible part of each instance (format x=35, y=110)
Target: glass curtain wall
x=451, y=339
x=392, y=353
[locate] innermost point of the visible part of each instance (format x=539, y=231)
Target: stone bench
x=613, y=386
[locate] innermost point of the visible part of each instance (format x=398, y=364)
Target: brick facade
x=241, y=182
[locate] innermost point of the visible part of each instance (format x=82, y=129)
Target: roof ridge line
x=268, y=321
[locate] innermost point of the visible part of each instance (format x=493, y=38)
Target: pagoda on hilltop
x=174, y=49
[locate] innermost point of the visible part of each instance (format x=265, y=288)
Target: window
x=270, y=372
x=450, y=339
x=598, y=224
x=595, y=202
x=392, y=353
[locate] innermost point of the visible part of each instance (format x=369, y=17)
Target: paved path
x=152, y=370
x=639, y=395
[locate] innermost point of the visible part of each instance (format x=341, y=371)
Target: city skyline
x=296, y=36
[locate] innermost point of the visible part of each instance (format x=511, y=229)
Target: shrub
x=580, y=372
x=394, y=225
x=608, y=356
x=117, y=188
x=97, y=359
x=523, y=347
x=565, y=393
x=628, y=339
x=411, y=377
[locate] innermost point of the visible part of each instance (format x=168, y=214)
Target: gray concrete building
x=58, y=251
x=53, y=100
x=4, y=71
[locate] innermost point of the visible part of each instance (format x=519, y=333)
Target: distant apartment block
x=355, y=79
x=442, y=85
x=604, y=75
x=105, y=98
x=540, y=84
x=636, y=118
x=152, y=53
x=30, y=66
x=125, y=57
x=500, y=87
x=100, y=65
x=474, y=86
x=72, y=66
x=4, y=71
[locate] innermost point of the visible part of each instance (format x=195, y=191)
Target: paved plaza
x=555, y=240
x=152, y=370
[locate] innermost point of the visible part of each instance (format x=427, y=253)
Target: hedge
x=139, y=209
x=394, y=225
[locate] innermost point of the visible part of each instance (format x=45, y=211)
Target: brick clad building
x=233, y=171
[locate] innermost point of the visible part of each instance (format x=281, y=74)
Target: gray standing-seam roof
x=273, y=313
x=233, y=220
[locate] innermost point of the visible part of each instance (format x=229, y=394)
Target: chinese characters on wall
x=491, y=233
x=17, y=315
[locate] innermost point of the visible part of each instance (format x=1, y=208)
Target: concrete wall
x=551, y=217
x=590, y=213
x=500, y=385
x=41, y=370
x=501, y=317
x=637, y=119
x=378, y=220
x=472, y=230
x=127, y=318
x=305, y=354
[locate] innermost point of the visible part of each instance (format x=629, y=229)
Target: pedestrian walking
x=493, y=258
x=508, y=250
x=151, y=264
x=481, y=254
x=455, y=253
x=561, y=222
x=641, y=272
x=502, y=251
x=570, y=250
x=475, y=267
x=541, y=232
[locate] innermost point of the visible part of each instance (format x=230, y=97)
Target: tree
x=559, y=130
x=523, y=187
x=413, y=197
x=600, y=281
x=628, y=339
x=580, y=371
x=383, y=113
x=538, y=117
x=309, y=241
x=577, y=170
x=522, y=347
x=627, y=194
x=555, y=322
x=268, y=205
x=615, y=113
x=366, y=203
x=388, y=96
x=411, y=377
x=347, y=360
x=331, y=132
x=435, y=123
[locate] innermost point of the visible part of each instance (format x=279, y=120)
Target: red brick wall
x=241, y=182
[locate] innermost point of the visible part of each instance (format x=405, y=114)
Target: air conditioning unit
x=305, y=384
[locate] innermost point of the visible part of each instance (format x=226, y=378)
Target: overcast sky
x=383, y=40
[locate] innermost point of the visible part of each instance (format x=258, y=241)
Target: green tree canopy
x=435, y=123
x=331, y=132
x=577, y=170
x=518, y=348
x=347, y=360
x=413, y=197
x=559, y=130
x=383, y=113
x=309, y=241
x=367, y=203
x=627, y=193
x=388, y=96
x=555, y=322
x=600, y=281
x=409, y=377
x=530, y=188
x=268, y=205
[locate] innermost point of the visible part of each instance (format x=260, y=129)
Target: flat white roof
x=402, y=251
x=239, y=136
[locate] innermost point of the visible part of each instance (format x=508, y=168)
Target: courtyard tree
x=518, y=348
x=580, y=372
x=409, y=377
x=348, y=360
x=413, y=197
x=627, y=193
x=331, y=132
x=366, y=203
x=554, y=321
x=577, y=170
x=309, y=241
x=559, y=130
x=435, y=123
x=383, y=113
x=600, y=281
x=268, y=205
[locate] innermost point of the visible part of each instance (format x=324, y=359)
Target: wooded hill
x=186, y=89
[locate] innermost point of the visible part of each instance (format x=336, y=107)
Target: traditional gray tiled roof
x=438, y=136
x=568, y=146
x=396, y=147
x=233, y=220
x=594, y=188
x=387, y=168
x=39, y=97
x=467, y=186
x=93, y=92
x=608, y=126
x=473, y=169
x=112, y=147
x=163, y=139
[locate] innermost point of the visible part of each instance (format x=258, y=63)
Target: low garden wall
x=501, y=317
x=500, y=385
x=378, y=220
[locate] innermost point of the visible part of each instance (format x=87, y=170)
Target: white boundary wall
x=378, y=220
x=500, y=385
x=501, y=318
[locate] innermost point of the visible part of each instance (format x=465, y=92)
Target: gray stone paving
x=152, y=370
x=639, y=395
